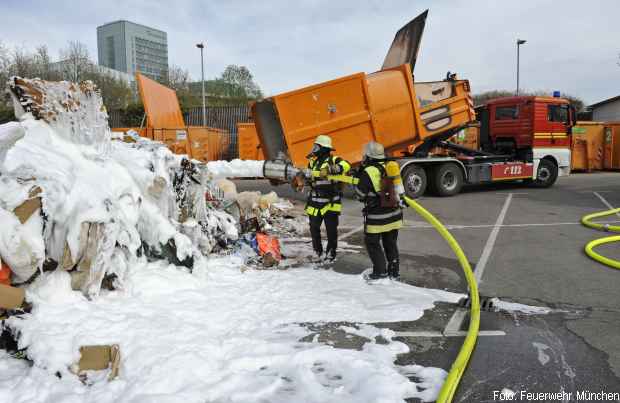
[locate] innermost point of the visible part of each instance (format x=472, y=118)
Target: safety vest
x=325, y=195
x=379, y=219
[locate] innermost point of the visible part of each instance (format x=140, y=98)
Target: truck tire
x=447, y=179
x=546, y=174
x=414, y=181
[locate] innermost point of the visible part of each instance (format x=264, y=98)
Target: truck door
x=558, y=124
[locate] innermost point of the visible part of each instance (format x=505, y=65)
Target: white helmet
x=324, y=141
x=374, y=150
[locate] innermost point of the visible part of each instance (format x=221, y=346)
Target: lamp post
x=201, y=46
x=519, y=43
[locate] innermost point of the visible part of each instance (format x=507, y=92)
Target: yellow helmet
x=324, y=141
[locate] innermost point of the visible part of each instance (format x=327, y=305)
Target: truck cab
x=530, y=128
x=512, y=124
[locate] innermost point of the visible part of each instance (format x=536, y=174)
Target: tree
x=241, y=82
x=5, y=63
x=43, y=64
x=484, y=97
x=179, y=80
x=22, y=63
x=75, y=61
x=76, y=67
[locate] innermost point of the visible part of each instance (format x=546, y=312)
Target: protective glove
x=335, y=169
x=401, y=202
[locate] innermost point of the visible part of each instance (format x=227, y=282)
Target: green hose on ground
x=460, y=364
x=458, y=367
x=589, y=248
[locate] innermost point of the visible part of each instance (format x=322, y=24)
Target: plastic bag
x=268, y=244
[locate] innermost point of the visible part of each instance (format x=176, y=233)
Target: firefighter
x=380, y=189
x=325, y=197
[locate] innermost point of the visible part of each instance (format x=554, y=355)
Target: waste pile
x=77, y=199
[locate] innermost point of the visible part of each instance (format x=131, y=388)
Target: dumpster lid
x=406, y=44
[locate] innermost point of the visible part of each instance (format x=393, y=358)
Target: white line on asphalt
x=461, y=333
x=455, y=322
x=482, y=226
x=605, y=202
x=488, y=247
x=353, y=231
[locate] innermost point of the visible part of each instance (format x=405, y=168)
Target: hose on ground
x=458, y=367
x=589, y=248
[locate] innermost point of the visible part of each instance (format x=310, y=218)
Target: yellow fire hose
x=458, y=366
x=589, y=248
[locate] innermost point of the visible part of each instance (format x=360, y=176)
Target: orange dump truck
x=411, y=119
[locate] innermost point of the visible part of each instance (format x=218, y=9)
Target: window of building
x=111, y=54
x=557, y=113
x=506, y=112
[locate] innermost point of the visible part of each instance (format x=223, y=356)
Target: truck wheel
x=448, y=179
x=414, y=181
x=546, y=175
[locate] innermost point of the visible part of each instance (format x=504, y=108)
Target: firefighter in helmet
x=381, y=190
x=325, y=197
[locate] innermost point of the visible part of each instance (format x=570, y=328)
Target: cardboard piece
x=28, y=207
x=100, y=357
x=11, y=297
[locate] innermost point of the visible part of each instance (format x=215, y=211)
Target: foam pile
x=103, y=203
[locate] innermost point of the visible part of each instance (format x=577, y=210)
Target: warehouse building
x=607, y=110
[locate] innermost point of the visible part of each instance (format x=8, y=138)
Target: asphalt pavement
x=526, y=246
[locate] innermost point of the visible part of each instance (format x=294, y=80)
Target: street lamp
x=201, y=46
x=519, y=43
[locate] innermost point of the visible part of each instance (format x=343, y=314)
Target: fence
x=219, y=117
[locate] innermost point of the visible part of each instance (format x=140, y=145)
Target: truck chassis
x=445, y=176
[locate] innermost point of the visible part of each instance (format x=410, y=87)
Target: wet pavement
x=526, y=246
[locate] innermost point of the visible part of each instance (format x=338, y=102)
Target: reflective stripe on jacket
x=325, y=195
x=377, y=219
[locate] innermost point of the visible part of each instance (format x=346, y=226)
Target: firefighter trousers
x=331, y=227
x=381, y=247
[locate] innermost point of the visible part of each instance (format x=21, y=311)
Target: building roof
x=606, y=101
x=134, y=23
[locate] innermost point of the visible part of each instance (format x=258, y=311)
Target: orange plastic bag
x=5, y=273
x=268, y=244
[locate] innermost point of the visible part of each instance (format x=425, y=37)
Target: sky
x=572, y=46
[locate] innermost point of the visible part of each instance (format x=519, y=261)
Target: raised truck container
x=414, y=120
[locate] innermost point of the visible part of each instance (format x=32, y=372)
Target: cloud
x=571, y=44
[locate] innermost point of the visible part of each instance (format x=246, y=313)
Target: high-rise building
x=130, y=48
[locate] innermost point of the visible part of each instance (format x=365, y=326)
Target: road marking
x=482, y=226
x=488, y=247
x=353, y=231
x=455, y=322
x=605, y=202
x=460, y=333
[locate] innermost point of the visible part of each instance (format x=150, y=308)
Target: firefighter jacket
x=377, y=219
x=325, y=195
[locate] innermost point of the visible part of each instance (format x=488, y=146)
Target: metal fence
x=218, y=117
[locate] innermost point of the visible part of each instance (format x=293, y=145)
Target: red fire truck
x=521, y=138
